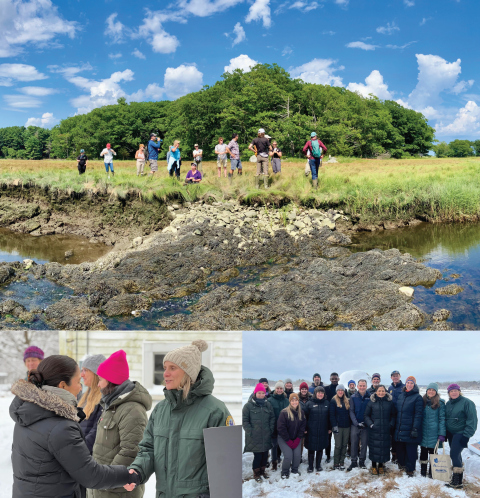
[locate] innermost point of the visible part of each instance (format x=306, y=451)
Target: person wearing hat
x=154, y=145
x=268, y=391
x=279, y=401
x=291, y=429
x=221, y=151
x=352, y=388
x=408, y=427
x=198, y=157
x=305, y=396
x=461, y=423
x=375, y=383
x=340, y=422
x=193, y=176
x=359, y=434
x=173, y=445
x=258, y=419
x=261, y=146
x=314, y=150
x=140, y=157
x=90, y=401
x=318, y=428
x=379, y=417
x=330, y=392
x=276, y=155
x=433, y=426
x=82, y=161
x=317, y=381
x=120, y=429
x=32, y=357
x=394, y=389
x=174, y=160
x=108, y=154
x=234, y=151
x=288, y=387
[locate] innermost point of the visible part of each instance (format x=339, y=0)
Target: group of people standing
x=392, y=422
x=103, y=444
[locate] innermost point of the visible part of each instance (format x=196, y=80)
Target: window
x=158, y=369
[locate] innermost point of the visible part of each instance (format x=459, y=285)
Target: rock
x=406, y=317
x=328, y=223
x=124, y=304
x=449, y=290
x=137, y=241
x=31, y=226
x=116, y=262
x=73, y=314
x=440, y=315
x=225, y=241
x=175, y=206
x=237, y=231
x=299, y=224
x=198, y=232
x=6, y=273
x=408, y=291
x=170, y=208
x=28, y=263
x=69, y=254
x=291, y=228
x=291, y=216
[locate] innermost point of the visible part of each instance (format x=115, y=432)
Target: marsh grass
x=435, y=189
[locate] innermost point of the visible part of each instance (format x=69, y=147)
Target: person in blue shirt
x=154, y=145
x=174, y=160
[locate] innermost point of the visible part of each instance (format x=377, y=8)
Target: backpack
x=316, y=149
x=145, y=152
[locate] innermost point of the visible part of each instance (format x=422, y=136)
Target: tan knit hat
x=188, y=358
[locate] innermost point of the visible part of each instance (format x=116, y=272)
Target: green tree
x=461, y=148
x=442, y=150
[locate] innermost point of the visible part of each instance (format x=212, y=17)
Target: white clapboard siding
x=224, y=355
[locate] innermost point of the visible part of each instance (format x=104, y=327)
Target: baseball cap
x=395, y=372
x=108, y=146
x=261, y=130
x=152, y=135
x=193, y=164
x=82, y=150
x=313, y=134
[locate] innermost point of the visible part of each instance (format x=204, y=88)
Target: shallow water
x=48, y=248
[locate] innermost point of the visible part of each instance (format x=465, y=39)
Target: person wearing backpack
x=82, y=161
x=316, y=149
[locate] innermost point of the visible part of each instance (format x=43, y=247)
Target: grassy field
x=440, y=189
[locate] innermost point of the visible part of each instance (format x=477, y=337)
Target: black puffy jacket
x=409, y=416
x=258, y=423
x=49, y=456
x=381, y=413
x=289, y=430
x=339, y=415
x=317, y=412
x=89, y=427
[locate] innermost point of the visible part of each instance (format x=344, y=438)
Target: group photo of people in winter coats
x=348, y=421
x=88, y=430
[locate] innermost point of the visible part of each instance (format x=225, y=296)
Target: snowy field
x=6, y=437
x=360, y=483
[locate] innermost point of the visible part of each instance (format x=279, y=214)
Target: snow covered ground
x=360, y=483
x=6, y=437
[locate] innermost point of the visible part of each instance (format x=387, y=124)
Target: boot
x=394, y=457
x=362, y=464
x=430, y=472
x=257, y=186
x=374, y=470
x=423, y=468
x=353, y=465
x=274, y=466
x=257, y=475
x=381, y=469
x=457, y=479
x=318, y=462
x=410, y=473
x=265, y=181
x=285, y=475
x=310, y=463
x=113, y=173
x=267, y=464
x=402, y=468
x=315, y=184
x=263, y=473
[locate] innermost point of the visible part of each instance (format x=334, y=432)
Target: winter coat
x=288, y=392
x=318, y=424
x=339, y=415
x=173, y=445
x=395, y=390
x=409, y=416
x=49, y=456
x=381, y=413
x=278, y=402
x=358, y=403
x=330, y=391
x=89, y=426
x=120, y=430
x=433, y=424
x=313, y=386
x=258, y=424
x=461, y=416
x=289, y=430
x=304, y=401
x=371, y=390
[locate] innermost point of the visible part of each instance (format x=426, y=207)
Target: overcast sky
x=427, y=355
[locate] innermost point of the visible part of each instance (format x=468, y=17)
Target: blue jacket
x=339, y=416
x=433, y=424
x=89, y=427
x=358, y=403
x=153, y=148
x=409, y=412
x=313, y=386
x=395, y=391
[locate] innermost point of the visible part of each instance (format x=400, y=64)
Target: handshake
x=134, y=480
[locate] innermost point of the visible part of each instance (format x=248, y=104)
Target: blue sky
x=58, y=58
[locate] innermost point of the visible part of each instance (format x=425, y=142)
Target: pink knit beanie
x=259, y=387
x=115, y=369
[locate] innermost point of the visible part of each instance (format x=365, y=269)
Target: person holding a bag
x=318, y=431
x=261, y=146
x=340, y=422
x=408, y=428
x=461, y=424
x=433, y=426
x=291, y=428
x=316, y=149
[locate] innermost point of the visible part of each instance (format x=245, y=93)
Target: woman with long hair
x=173, y=445
x=90, y=401
x=318, y=431
x=433, y=426
x=291, y=429
x=49, y=454
x=340, y=422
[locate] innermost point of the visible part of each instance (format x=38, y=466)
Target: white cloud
x=342, y=3
x=287, y=51
x=152, y=31
x=260, y=10
x=115, y=56
x=409, y=3
x=403, y=103
x=242, y=62
x=305, y=6
x=389, y=29
x=466, y=121
x=462, y=86
x=9, y=73
x=362, y=45
x=373, y=84
x=431, y=113
x=47, y=120
x=138, y=54
x=239, y=34
x=21, y=101
x=331, y=33
x=35, y=22
x=182, y=80
x=401, y=46
x=320, y=71
x=115, y=29
x=37, y=91
x=424, y=20
x=204, y=8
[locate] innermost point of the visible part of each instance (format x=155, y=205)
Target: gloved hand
x=361, y=425
x=335, y=429
x=371, y=427
x=414, y=433
x=293, y=443
x=441, y=439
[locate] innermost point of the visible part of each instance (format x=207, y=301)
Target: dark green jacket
x=258, y=424
x=119, y=432
x=433, y=425
x=173, y=445
x=461, y=416
x=278, y=402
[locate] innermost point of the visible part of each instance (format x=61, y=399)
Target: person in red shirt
x=317, y=150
